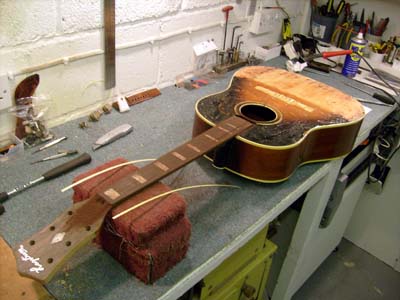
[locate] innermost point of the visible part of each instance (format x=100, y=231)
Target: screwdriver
x=52, y=143
x=380, y=97
x=55, y=156
x=53, y=173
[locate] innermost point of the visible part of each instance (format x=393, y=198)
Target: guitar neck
x=40, y=256
x=174, y=160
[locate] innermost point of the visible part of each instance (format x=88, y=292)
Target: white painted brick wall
x=132, y=11
x=80, y=15
x=195, y=4
x=26, y=21
x=35, y=32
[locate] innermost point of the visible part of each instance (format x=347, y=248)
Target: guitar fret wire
x=170, y=192
x=105, y=171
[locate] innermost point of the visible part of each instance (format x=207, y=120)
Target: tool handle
x=329, y=6
x=226, y=10
x=336, y=53
x=340, y=7
x=3, y=197
x=68, y=166
x=383, y=98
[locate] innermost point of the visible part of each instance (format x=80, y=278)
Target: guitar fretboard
x=175, y=159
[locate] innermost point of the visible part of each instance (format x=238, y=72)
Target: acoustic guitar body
x=298, y=120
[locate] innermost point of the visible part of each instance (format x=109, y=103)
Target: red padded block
x=149, y=240
x=143, y=223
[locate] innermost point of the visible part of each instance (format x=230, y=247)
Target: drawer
x=237, y=277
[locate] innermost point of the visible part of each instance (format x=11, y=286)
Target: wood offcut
x=139, y=97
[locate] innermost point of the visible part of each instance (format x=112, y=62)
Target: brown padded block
x=147, y=241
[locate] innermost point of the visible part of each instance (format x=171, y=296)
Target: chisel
x=53, y=173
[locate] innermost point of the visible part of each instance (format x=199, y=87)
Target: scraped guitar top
x=306, y=121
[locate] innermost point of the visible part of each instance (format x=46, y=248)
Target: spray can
x=353, y=60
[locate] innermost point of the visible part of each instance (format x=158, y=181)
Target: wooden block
x=230, y=67
x=140, y=97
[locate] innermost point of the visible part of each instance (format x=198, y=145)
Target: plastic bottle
x=352, y=61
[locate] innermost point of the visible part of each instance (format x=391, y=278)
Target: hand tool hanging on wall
x=286, y=30
x=53, y=173
x=109, y=43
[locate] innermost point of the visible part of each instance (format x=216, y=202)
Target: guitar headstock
x=40, y=256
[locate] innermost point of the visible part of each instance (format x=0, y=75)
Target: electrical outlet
x=5, y=92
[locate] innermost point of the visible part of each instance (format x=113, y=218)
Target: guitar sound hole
x=258, y=113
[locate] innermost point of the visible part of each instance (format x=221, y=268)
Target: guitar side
x=306, y=130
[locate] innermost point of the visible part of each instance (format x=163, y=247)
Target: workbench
x=222, y=219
